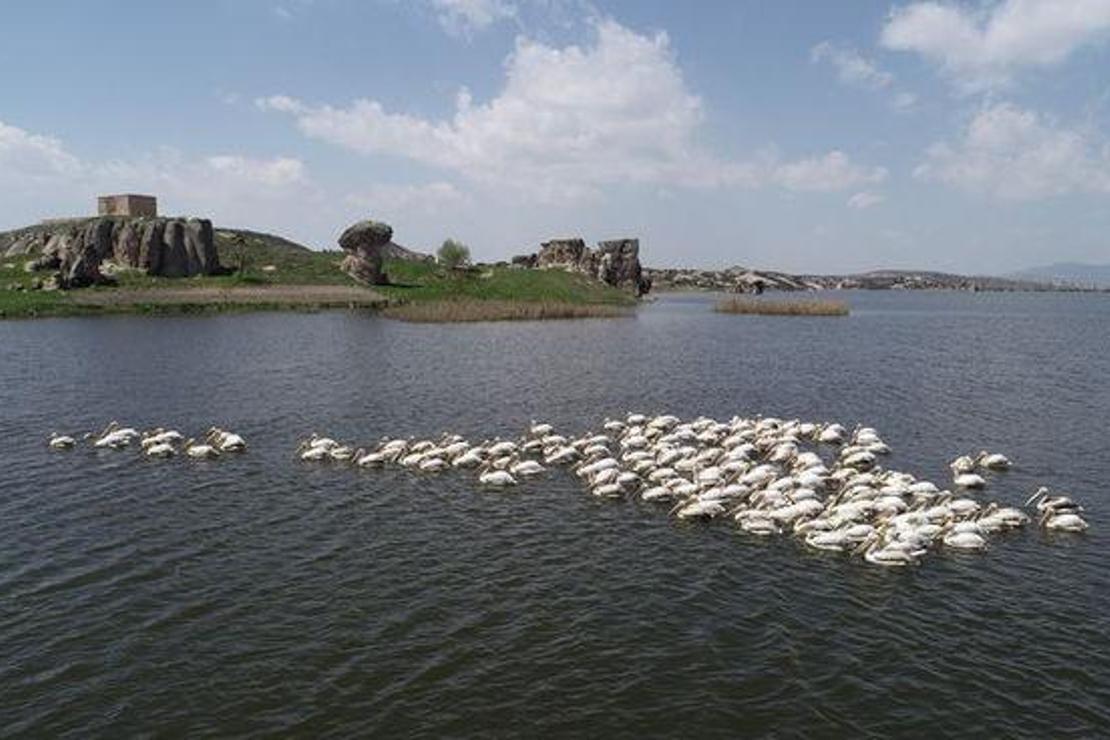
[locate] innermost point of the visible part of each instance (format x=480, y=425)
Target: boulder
x=200, y=247
x=615, y=262
x=364, y=244
x=150, y=247
x=169, y=247
x=175, y=260
x=126, y=251
x=565, y=254
x=618, y=263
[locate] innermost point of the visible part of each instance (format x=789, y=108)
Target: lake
x=257, y=595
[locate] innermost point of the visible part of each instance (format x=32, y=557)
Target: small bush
x=453, y=254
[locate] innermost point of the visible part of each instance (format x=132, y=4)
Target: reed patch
x=453, y=311
x=775, y=307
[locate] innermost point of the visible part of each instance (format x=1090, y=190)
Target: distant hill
x=1070, y=273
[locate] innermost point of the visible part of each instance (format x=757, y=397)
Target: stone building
x=128, y=204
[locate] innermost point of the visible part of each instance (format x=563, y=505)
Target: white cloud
x=568, y=122
x=40, y=177
x=903, y=101
x=865, y=199
x=851, y=67
x=27, y=156
x=427, y=199
x=832, y=172
x=984, y=46
x=1016, y=154
x=856, y=70
x=272, y=172
x=464, y=17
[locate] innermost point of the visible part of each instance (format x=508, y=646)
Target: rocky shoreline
x=744, y=280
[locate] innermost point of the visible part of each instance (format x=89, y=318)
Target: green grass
x=411, y=282
x=422, y=281
x=294, y=265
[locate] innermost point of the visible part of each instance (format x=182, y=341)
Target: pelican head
x=1040, y=494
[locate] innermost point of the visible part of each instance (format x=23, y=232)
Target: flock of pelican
x=766, y=474
x=156, y=443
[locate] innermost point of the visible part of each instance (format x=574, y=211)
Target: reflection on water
x=254, y=594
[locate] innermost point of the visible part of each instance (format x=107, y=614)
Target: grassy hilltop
x=280, y=274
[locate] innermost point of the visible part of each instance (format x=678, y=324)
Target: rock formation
x=364, y=243
x=618, y=263
x=615, y=262
x=82, y=251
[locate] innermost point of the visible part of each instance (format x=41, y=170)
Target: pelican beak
x=1040, y=492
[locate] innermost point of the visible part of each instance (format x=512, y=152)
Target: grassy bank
x=422, y=281
x=281, y=275
x=775, y=307
x=454, y=311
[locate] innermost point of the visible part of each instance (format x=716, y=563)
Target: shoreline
x=138, y=301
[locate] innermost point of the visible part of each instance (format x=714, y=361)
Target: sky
x=794, y=135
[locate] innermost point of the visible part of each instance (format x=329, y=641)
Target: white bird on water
x=200, y=451
x=496, y=478
x=773, y=476
x=61, y=441
x=969, y=480
x=1058, y=513
x=993, y=461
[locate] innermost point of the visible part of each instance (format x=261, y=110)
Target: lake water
x=258, y=595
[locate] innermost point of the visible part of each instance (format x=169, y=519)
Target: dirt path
x=324, y=296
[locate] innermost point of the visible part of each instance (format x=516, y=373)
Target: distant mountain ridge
x=1070, y=273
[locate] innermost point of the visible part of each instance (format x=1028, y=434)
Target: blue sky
x=824, y=136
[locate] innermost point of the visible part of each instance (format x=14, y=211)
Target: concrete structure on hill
x=128, y=204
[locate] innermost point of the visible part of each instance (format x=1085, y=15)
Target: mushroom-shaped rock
x=363, y=242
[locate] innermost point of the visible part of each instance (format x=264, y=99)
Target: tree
x=240, y=254
x=453, y=254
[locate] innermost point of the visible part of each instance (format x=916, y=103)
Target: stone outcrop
x=84, y=251
x=615, y=262
x=364, y=244
x=618, y=263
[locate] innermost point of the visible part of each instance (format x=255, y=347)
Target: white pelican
x=962, y=464
x=526, y=468
x=200, y=451
x=469, y=459
x=433, y=465
x=540, y=429
x=370, y=460
x=964, y=536
x=116, y=437
x=1067, y=521
x=61, y=441
x=993, y=461
x=226, y=441
x=969, y=480
x=161, y=449
x=312, y=454
x=488, y=476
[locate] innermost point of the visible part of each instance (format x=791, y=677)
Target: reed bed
x=450, y=311
x=771, y=307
